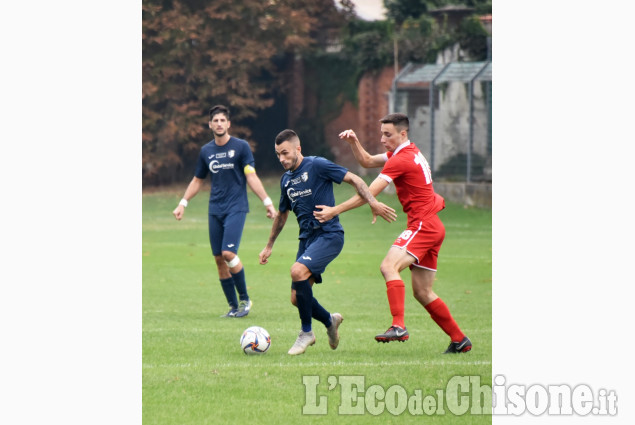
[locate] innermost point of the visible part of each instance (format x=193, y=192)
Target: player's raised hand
x=384, y=211
x=349, y=136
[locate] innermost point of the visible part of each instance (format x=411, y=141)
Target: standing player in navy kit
x=230, y=165
x=307, y=185
x=418, y=246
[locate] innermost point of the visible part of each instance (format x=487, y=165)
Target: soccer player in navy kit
x=307, y=185
x=230, y=164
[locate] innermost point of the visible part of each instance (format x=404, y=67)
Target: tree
x=198, y=53
x=400, y=10
x=420, y=38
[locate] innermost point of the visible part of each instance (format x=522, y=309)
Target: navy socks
x=308, y=306
x=230, y=292
x=320, y=313
x=241, y=285
x=304, y=297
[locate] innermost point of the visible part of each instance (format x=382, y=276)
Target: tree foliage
x=420, y=37
x=369, y=45
x=400, y=10
x=473, y=38
x=198, y=53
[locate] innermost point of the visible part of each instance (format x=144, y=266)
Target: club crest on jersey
x=231, y=153
x=303, y=177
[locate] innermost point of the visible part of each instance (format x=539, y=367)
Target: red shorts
x=423, y=241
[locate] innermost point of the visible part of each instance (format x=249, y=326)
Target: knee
x=228, y=256
x=220, y=261
x=299, y=272
x=386, y=268
x=232, y=260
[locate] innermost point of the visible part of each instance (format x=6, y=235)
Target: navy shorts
x=225, y=232
x=317, y=251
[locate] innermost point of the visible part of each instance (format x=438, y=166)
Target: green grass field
x=194, y=371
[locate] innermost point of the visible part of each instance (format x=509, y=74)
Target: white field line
x=468, y=331
x=338, y=363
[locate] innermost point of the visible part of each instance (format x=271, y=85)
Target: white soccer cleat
x=334, y=336
x=302, y=343
x=243, y=308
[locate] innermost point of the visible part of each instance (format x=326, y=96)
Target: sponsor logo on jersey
x=215, y=166
x=293, y=194
x=304, y=177
x=221, y=155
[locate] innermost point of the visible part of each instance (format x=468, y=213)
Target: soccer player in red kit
x=418, y=246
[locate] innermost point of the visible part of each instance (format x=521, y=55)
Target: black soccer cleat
x=459, y=347
x=394, y=333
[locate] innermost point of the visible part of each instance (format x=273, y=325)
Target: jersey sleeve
x=201, y=167
x=247, y=157
x=283, y=204
x=330, y=170
x=392, y=168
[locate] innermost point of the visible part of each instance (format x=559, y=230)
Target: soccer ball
x=255, y=340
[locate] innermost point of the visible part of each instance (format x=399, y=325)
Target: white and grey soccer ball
x=255, y=340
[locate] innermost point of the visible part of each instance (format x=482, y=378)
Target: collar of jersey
x=297, y=169
x=401, y=146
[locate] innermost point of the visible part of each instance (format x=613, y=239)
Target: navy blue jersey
x=225, y=165
x=309, y=185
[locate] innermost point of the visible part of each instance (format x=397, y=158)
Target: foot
x=231, y=313
x=302, y=343
x=331, y=331
x=459, y=347
x=243, y=308
x=394, y=333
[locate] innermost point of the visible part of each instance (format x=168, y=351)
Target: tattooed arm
x=276, y=228
x=364, y=195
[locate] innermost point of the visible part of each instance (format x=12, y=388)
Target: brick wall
x=372, y=105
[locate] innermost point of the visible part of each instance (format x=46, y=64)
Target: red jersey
x=410, y=172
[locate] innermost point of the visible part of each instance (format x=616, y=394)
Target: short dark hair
x=286, y=135
x=219, y=109
x=399, y=120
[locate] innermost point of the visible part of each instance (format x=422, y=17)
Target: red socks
x=440, y=313
x=396, y=291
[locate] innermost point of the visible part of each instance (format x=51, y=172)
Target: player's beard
x=294, y=163
x=219, y=134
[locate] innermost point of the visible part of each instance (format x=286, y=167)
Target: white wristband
x=183, y=202
x=267, y=201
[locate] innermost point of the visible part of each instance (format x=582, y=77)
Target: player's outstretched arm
x=365, y=159
x=278, y=224
x=256, y=186
x=364, y=195
x=191, y=191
